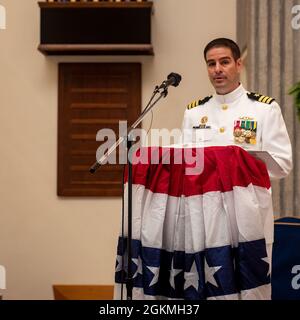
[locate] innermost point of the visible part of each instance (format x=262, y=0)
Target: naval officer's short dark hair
x=224, y=42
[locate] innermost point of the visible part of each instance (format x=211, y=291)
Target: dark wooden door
x=93, y=96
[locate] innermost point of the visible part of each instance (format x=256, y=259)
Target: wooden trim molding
x=83, y=292
x=101, y=49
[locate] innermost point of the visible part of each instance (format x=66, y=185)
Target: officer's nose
x=218, y=68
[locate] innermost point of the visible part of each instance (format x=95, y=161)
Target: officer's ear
x=239, y=64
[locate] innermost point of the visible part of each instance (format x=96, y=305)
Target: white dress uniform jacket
x=248, y=120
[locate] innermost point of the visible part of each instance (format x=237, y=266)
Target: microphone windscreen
x=175, y=77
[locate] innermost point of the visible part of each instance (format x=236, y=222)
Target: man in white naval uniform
x=234, y=116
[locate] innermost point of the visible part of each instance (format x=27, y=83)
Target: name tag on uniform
x=202, y=127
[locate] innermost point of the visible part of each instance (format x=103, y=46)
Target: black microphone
x=172, y=80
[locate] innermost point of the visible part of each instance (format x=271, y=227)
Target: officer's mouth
x=219, y=78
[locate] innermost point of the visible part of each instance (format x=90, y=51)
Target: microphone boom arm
x=148, y=108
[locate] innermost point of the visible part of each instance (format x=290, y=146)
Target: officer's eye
x=225, y=62
x=211, y=64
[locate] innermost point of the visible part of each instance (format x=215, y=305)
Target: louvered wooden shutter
x=93, y=96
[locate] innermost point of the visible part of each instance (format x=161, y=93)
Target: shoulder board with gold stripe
x=198, y=102
x=260, y=97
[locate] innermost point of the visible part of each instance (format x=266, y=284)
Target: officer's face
x=223, y=70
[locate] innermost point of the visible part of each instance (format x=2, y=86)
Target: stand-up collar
x=232, y=96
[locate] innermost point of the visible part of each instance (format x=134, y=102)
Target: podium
x=202, y=222
x=286, y=259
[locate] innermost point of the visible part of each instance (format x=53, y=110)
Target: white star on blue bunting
x=209, y=273
x=119, y=266
x=139, y=264
x=173, y=274
x=155, y=271
x=192, y=278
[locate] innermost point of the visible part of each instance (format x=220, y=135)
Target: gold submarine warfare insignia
x=204, y=120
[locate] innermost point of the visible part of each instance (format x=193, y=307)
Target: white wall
x=44, y=239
